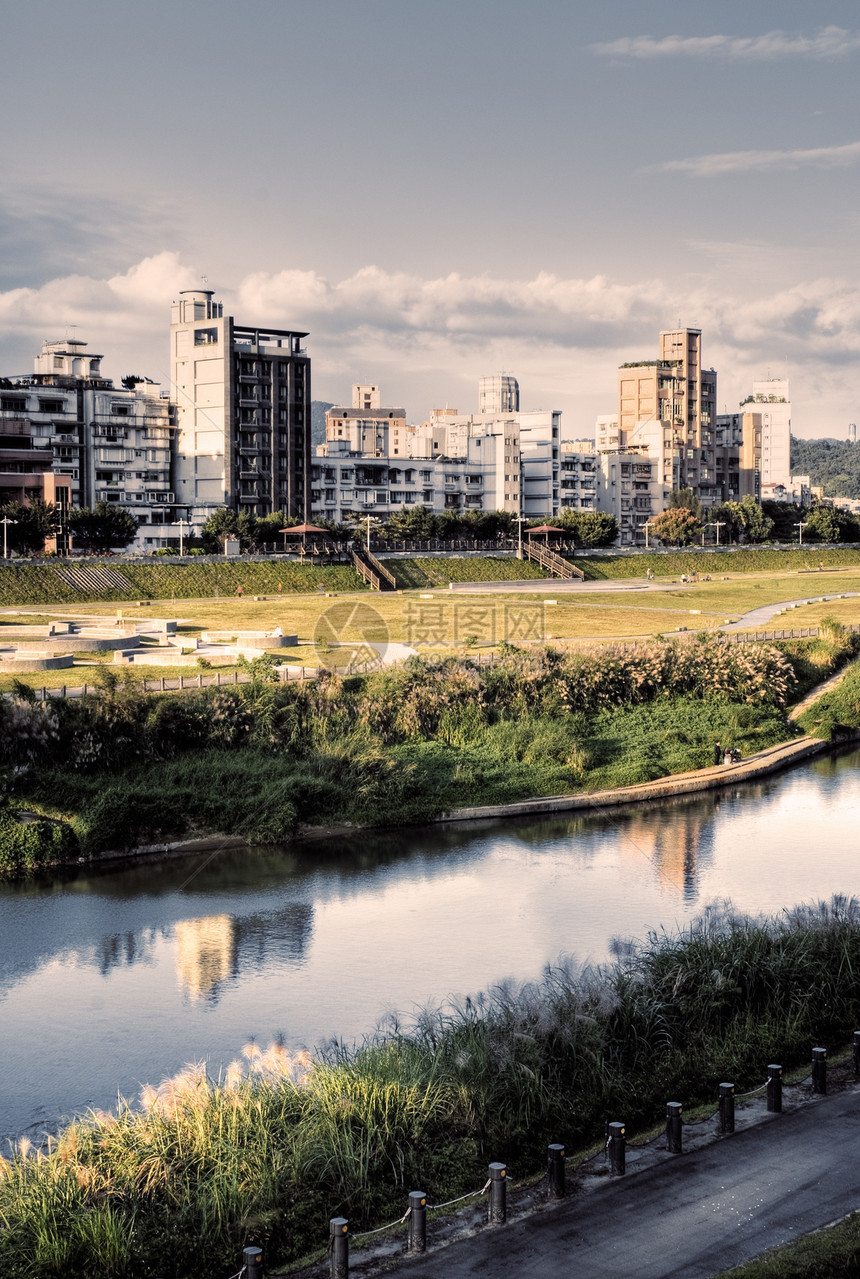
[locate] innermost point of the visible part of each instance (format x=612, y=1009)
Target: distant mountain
x=319, y=408
x=834, y=464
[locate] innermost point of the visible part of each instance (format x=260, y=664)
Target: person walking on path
x=718, y=754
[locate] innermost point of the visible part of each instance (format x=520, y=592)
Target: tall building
x=244, y=411
x=498, y=394
x=673, y=400
x=771, y=399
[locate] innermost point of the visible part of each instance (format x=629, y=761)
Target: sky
x=444, y=189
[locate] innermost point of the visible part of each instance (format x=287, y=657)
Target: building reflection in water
x=213, y=950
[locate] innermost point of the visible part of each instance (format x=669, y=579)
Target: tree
x=678, y=525
x=225, y=522
x=827, y=524
x=103, y=527
x=685, y=500
x=410, y=522
x=742, y=518
x=34, y=521
x=588, y=528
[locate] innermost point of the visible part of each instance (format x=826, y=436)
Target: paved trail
x=689, y=1216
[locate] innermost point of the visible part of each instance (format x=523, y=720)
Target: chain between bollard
x=364, y=1234
x=751, y=1092
x=473, y=1194
x=239, y=1273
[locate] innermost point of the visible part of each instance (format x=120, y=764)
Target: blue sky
x=439, y=190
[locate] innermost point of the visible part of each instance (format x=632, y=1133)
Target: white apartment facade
x=373, y=461
x=109, y=443
x=771, y=398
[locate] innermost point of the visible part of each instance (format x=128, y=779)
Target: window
x=205, y=337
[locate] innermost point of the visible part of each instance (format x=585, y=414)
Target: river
x=113, y=978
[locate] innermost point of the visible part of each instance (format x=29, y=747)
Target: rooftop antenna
x=205, y=279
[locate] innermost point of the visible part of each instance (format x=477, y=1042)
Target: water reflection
x=326, y=939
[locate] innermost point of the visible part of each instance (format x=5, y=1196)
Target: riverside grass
x=396, y=746
x=280, y=1142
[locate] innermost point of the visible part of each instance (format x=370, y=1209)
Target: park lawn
x=595, y=615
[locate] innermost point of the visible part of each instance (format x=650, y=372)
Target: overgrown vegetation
x=744, y=560
x=395, y=746
x=280, y=1143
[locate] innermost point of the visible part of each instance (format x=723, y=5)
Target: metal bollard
x=252, y=1260
x=857, y=1052
x=417, y=1221
x=617, y=1150
x=673, y=1127
x=555, y=1170
x=819, y=1070
x=339, y=1247
x=727, y=1107
x=498, y=1208
x=774, y=1089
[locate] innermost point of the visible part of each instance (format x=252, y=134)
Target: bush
x=38, y=841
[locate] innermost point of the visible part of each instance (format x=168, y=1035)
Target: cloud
x=830, y=42
x=427, y=340
x=709, y=166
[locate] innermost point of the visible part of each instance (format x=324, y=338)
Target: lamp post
x=800, y=527
x=645, y=526
x=717, y=524
x=182, y=524
x=6, y=522
x=520, y=519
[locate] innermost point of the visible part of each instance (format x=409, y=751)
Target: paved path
x=689, y=1216
x=757, y=618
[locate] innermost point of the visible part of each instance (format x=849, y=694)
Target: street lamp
x=6, y=522
x=800, y=527
x=185, y=524
x=520, y=519
x=717, y=524
x=645, y=526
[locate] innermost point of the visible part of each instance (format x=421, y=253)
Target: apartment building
x=771, y=400
x=668, y=406
x=243, y=396
x=624, y=483
x=374, y=461
x=99, y=442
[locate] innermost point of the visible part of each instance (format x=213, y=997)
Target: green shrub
x=38, y=841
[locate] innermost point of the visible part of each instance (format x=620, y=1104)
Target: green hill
x=834, y=464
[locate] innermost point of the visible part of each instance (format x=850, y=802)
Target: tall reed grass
x=280, y=1141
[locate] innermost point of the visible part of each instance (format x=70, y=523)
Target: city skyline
x=439, y=195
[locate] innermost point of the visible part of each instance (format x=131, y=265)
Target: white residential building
x=111, y=443
x=771, y=398
x=485, y=461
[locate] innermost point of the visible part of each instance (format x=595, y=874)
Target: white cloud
x=708, y=166
x=830, y=42
x=428, y=340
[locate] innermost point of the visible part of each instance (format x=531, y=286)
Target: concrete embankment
x=703, y=779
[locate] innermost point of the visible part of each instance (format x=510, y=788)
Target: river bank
x=541, y=731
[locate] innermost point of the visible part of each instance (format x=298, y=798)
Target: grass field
x=440, y=620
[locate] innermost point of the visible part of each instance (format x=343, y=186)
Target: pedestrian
x=240, y=590
x=727, y=755
x=718, y=753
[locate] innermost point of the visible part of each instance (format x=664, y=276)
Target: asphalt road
x=691, y=1215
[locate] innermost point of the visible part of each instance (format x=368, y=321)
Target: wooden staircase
x=553, y=563
x=372, y=570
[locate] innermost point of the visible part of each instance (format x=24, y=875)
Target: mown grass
x=833, y=1253
x=281, y=1142
x=745, y=560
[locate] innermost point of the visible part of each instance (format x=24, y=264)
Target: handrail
x=548, y=559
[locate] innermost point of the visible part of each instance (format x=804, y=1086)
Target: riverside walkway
x=688, y=1216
